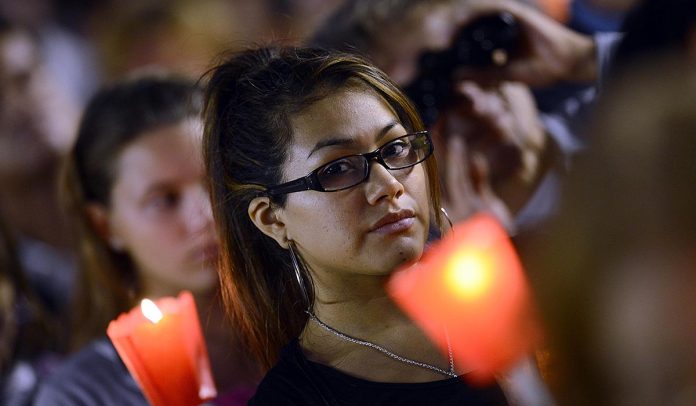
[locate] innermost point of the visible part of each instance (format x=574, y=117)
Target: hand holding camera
x=488, y=41
x=496, y=119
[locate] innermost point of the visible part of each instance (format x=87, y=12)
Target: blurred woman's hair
x=356, y=24
x=25, y=329
x=251, y=99
x=114, y=118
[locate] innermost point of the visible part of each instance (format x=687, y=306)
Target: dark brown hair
x=114, y=118
x=251, y=98
x=26, y=330
x=356, y=24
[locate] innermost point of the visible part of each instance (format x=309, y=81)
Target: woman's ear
x=98, y=216
x=265, y=216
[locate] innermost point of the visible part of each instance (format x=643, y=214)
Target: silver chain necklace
x=450, y=373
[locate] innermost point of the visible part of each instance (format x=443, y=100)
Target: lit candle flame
x=150, y=310
x=469, y=274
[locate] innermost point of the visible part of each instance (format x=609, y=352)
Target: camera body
x=488, y=41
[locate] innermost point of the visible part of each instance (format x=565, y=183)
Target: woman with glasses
x=322, y=183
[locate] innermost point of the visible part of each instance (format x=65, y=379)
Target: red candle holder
x=162, y=345
x=469, y=288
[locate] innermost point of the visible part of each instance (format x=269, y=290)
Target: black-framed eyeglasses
x=343, y=173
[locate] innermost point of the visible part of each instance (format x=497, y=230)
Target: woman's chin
x=405, y=253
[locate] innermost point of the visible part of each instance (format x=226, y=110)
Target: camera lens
x=489, y=40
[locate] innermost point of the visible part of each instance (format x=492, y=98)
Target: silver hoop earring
x=442, y=209
x=298, y=273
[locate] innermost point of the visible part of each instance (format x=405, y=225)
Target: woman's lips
x=394, y=222
x=395, y=227
x=208, y=253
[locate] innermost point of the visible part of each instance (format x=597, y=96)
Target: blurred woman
x=134, y=186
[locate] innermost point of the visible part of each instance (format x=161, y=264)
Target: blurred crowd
x=580, y=141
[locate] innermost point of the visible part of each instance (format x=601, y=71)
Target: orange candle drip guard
x=470, y=287
x=166, y=356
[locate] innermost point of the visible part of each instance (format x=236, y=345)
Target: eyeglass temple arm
x=297, y=185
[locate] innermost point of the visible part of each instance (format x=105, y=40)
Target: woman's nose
x=199, y=214
x=382, y=184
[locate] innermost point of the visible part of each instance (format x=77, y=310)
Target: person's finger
x=480, y=171
x=488, y=199
x=525, y=116
x=458, y=174
x=490, y=108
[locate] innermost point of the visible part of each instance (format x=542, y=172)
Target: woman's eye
x=396, y=149
x=165, y=201
x=338, y=168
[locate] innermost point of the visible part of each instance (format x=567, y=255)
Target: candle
x=162, y=345
x=469, y=289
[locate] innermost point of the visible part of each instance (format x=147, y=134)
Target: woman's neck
x=357, y=303
x=378, y=322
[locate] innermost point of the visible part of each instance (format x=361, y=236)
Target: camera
x=488, y=41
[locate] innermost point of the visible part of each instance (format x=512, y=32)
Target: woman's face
x=350, y=231
x=160, y=212
x=427, y=27
x=38, y=119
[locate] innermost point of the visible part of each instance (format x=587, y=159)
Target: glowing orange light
x=469, y=274
x=471, y=283
x=556, y=9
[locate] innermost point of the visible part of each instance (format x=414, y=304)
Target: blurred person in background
x=295, y=20
x=179, y=35
x=185, y=35
x=650, y=29
x=63, y=41
x=27, y=336
x=136, y=192
x=555, y=55
x=614, y=273
x=37, y=123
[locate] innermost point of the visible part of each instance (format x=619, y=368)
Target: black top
x=94, y=376
x=297, y=381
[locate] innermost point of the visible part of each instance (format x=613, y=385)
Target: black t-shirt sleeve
x=93, y=376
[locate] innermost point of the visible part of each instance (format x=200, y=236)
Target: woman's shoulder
x=94, y=375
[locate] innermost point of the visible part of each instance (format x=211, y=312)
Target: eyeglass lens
x=400, y=153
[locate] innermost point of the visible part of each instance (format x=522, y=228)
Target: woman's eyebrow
x=343, y=141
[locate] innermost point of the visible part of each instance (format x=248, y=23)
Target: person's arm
x=492, y=149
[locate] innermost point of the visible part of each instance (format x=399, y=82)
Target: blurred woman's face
x=367, y=229
x=426, y=27
x=38, y=118
x=160, y=212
